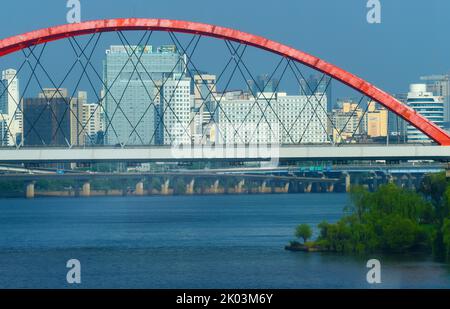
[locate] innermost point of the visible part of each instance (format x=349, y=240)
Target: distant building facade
x=10, y=109
x=439, y=85
x=429, y=106
x=53, y=119
x=133, y=76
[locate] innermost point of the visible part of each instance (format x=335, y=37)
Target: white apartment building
x=273, y=118
x=429, y=106
x=175, y=104
x=10, y=108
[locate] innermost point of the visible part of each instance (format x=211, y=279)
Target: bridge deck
x=238, y=153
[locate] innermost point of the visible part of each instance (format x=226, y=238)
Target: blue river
x=187, y=242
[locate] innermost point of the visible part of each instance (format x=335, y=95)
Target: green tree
x=304, y=232
x=446, y=238
x=399, y=234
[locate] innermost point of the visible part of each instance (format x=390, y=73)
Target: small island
x=390, y=220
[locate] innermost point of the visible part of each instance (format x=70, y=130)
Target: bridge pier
x=139, y=191
x=165, y=187
x=330, y=188
x=240, y=186
x=286, y=187
x=347, y=182
x=86, y=189
x=307, y=187
x=29, y=190
x=190, y=187
x=263, y=187
x=410, y=182
x=215, y=187
x=389, y=179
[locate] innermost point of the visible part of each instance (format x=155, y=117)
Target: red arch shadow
x=19, y=42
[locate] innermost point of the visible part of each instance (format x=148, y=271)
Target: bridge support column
x=190, y=187
x=240, y=186
x=215, y=187
x=390, y=179
x=330, y=188
x=263, y=187
x=86, y=189
x=29, y=190
x=308, y=187
x=410, y=182
x=139, y=188
x=286, y=188
x=374, y=181
x=165, y=187
x=348, y=183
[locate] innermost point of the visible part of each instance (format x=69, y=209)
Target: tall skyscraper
x=131, y=97
x=175, y=103
x=315, y=84
x=263, y=83
x=92, y=123
x=10, y=108
x=429, y=106
x=439, y=85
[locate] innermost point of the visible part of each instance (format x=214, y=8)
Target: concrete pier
x=86, y=189
x=139, y=188
x=190, y=187
x=165, y=187
x=29, y=190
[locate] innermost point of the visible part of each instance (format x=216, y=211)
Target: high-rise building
x=246, y=121
x=353, y=122
x=429, y=106
x=92, y=122
x=175, y=105
x=263, y=83
x=52, y=119
x=132, y=93
x=396, y=124
x=204, y=110
x=47, y=121
x=439, y=85
x=279, y=119
x=376, y=121
x=303, y=119
x=347, y=122
x=10, y=108
x=4, y=133
x=319, y=86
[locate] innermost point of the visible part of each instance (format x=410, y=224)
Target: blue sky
x=411, y=41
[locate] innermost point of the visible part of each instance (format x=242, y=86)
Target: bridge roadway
x=139, y=176
x=220, y=153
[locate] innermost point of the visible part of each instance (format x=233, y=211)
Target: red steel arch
x=19, y=42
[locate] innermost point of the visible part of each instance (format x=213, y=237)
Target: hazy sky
x=412, y=40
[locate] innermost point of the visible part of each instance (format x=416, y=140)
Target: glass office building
x=132, y=84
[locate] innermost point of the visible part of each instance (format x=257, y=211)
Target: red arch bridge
x=174, y=101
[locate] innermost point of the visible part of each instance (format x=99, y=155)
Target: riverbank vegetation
x=390, y=220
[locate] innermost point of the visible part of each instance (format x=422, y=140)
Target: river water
x=187, y=242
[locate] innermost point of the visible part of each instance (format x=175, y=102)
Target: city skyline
x=139, y=74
